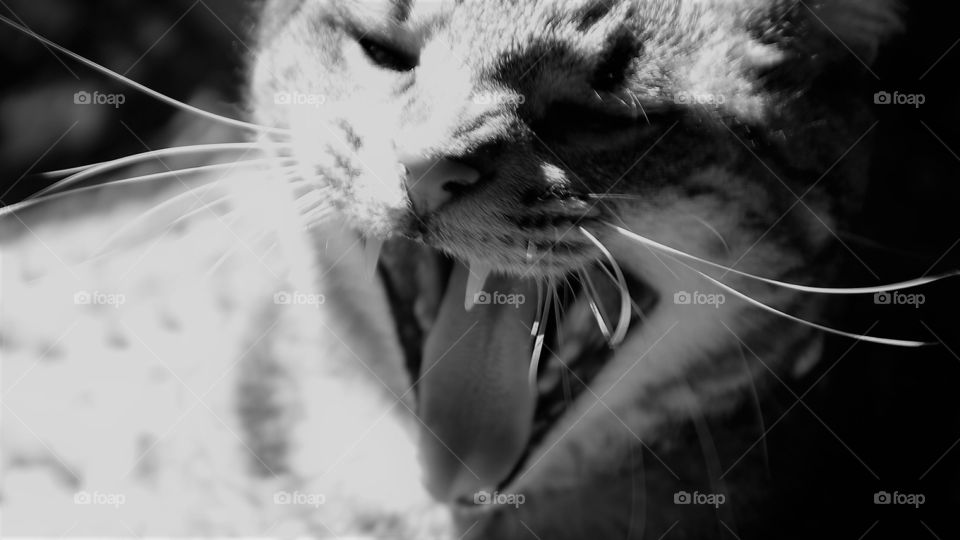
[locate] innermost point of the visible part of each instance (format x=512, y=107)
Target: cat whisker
x=233, y=250
x=636, y=307
x=536, y=319
x=592, y=298
x=637, y=104
x=196, y=192
x=207, y=207
x=273, y=245
x=162, y=152
x=312, y=205
x=811, y=324
x=544, y=293
x=623, y=324
x=908, y=284
x=22, y=205
x=311, y=200
x=78, y=174
x=59, y=173
x=299, y=187
x=557, y=311
x=144, y=89
x=711, y=228
x=569, y=287
x=622, y=102
x=99, y=251
x=677, y=256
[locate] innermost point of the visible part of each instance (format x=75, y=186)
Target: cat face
x=507, y=97
x=563, y=113
x=515, y=134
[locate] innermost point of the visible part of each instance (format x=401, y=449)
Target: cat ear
x=861, y=26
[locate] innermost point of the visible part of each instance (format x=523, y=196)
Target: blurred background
x=894, y=409
x=193, y=51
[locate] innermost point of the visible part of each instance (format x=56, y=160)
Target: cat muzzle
x=431, y=183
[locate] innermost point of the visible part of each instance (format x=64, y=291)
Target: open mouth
x=488, y=389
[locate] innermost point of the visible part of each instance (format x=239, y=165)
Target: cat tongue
x=475, y=402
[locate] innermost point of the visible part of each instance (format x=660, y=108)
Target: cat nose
x=431, y=183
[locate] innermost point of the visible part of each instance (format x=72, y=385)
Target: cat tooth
x=371, y=256
x=476, y=278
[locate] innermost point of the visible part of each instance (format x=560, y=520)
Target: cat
x=529, y=134
x=529, y=359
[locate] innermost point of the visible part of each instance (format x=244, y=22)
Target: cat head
x=488, y=129
x=514, y=134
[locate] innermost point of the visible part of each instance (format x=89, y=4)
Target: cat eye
x=386, y=56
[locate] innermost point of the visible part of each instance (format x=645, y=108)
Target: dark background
x=895, y=410
x=192, y=51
